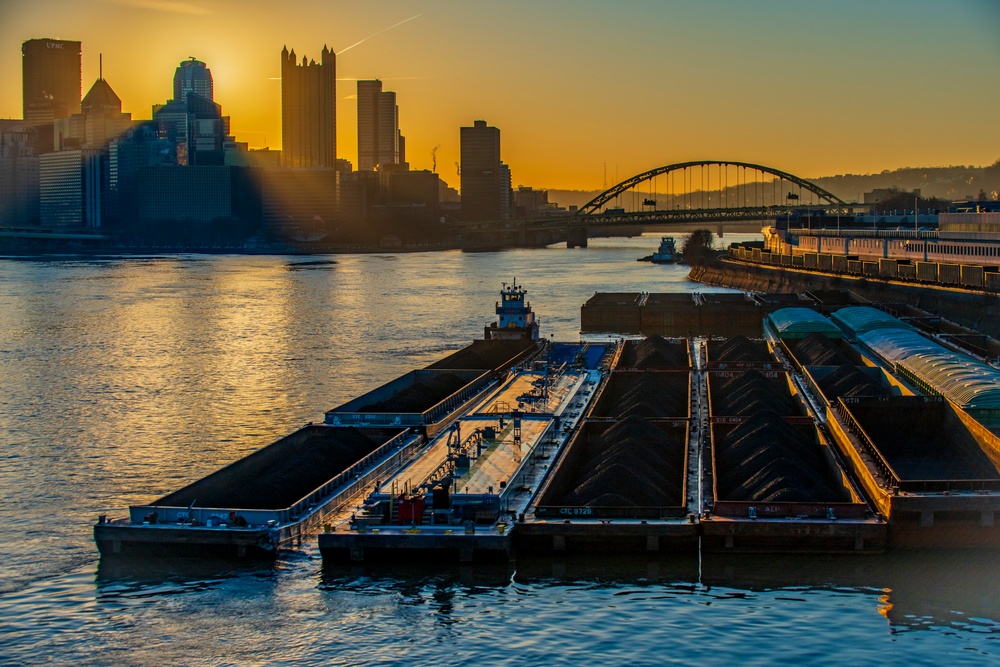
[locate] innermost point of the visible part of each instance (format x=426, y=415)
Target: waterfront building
x=299, y=203
x=20, y=145
x=379, y=140
x=194, y=194
x=139, y=147
x=308, y=110
x=530, y=202
x=415, y=187
x=51, y=79
x=480, y=172
x=877, y=195
x=70, y=189
x=198, y=194
x=390, y=195
x=413, y=205
x=193, y=76
x=19, y=183
x=506, y=192
x=359, y=192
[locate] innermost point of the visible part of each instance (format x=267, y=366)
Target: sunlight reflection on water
x=124, y=379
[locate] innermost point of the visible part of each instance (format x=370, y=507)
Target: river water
x=122, y=379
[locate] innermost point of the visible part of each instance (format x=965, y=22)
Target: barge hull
x=594, y=536
x=720, y=535
x=124, y=541
x=415, y=545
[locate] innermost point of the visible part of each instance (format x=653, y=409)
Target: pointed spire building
x=309, y=110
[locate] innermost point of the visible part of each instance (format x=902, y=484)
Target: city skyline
x=584, y=92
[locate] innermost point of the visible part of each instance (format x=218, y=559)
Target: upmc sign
x=54, y=45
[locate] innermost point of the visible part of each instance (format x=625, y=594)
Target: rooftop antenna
x=100, y=66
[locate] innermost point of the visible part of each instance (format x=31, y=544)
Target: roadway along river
x=122, y=379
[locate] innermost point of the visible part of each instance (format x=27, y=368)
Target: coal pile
x=849, y=381
x=484, y=355
x=647, y=394
x=765, y=459
x=818, y=350
x=655, y=352
x=419, y=396
x=632, y=464
x=750, y=392
x=277, y=477
x=739, y=349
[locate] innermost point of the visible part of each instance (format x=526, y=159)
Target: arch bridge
x=703, y=191
x=732, y=185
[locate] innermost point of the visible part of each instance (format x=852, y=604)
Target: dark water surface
x=123, y=379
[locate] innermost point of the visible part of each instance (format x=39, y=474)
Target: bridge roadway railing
x=763, y=214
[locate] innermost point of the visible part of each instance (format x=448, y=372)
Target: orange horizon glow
x=581, y=91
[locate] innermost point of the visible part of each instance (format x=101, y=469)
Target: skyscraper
x=378, y=126
x=100, y=120
x=51, y=79
x=193, y=76
x=480, y=177
x=196, y=128
x=309, y=110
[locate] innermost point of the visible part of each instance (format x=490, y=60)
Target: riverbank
x=975, y=310
x=76, y=247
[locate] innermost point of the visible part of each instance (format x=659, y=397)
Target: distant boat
x=665, y=254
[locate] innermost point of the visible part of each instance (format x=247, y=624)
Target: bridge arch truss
x=749, y=187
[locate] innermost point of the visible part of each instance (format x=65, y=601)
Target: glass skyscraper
x=192, y=76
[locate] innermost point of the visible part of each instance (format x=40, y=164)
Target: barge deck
x=466, y=491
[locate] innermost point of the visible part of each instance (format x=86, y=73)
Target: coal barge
x=795, y=441
x=273, y=498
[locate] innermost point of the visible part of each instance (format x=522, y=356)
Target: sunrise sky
x=807, y=87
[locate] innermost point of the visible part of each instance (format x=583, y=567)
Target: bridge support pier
x=576, y=237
